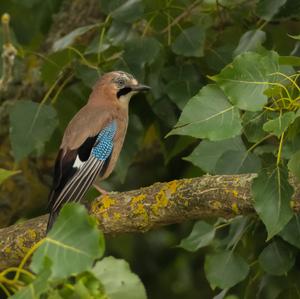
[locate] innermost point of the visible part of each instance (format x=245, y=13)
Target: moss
x=235, y=208
x=32, y=234
x=7, y=250
x=20, y=243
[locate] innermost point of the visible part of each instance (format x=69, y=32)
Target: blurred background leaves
x=231, y=126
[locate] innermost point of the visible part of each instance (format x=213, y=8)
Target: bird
x=93, y=140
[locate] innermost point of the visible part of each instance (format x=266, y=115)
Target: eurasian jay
x=92, y=140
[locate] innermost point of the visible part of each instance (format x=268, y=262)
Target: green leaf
x=291, y=232
x=201, y=235
x=190, y=42
x=253, y=125
x=267, y=9
x=117, y=279
x=70, y=38
x=88, y=75
x=209, y=115
x=54, y=64
x=179, y=91
x=238, y=161
x=289, y=60
x=207, y=153
x=118, y=32
x=277, y=258
x=225, y=269
x=166, y=111
x=34, y=289
x=129, y=12
x=294, y=164
x=247, y=78
x=123, y=10
x=5, y=174
x=141, y=50
x=280, y=124
x=72, y=245
x=296, y=37
x=272, y=194
x=250, y=41
x=31, y=125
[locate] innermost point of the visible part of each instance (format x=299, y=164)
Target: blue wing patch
x=104, y=142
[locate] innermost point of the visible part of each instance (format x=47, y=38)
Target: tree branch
x=146, y=208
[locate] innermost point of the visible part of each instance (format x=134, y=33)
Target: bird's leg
x=99, y=189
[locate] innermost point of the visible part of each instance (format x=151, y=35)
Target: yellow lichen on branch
x=146, y=208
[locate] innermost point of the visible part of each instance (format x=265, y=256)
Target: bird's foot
x=100, y=190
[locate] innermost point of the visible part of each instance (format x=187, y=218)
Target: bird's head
x=120, y=86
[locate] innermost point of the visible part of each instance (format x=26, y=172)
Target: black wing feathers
x=71, y=183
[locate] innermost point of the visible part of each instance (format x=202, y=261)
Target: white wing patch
x=78, y=163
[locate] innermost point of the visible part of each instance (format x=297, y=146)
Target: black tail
x=51, y=220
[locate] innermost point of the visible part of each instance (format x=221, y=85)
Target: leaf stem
x=280, y=149
x=26, y=257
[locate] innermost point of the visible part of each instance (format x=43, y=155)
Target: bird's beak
x=140, y=87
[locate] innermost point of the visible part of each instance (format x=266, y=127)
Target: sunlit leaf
x=31, y=125
x=70, y=38
x=209, y=115
x=201, y=236
x=277, y=258
x=297, y=37
x=190, y=42
x=249, y=75
x=34, y=289
x=5, y=174
x=272, y=194
x=72, y=245
x=250, y=41
x=118, y=280
x=225, y=269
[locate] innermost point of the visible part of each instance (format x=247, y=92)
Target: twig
x=147, y=208
x=181, y=16
x=9, y=53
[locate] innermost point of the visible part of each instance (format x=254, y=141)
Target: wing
x=75, y=170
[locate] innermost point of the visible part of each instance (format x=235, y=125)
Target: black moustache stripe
x=123, y=91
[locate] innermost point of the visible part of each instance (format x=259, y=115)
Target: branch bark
x=147, y=208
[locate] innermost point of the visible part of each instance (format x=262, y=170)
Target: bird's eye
x=120, y=82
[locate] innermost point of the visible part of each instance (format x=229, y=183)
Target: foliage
x=66, y=264
x=225, y=90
